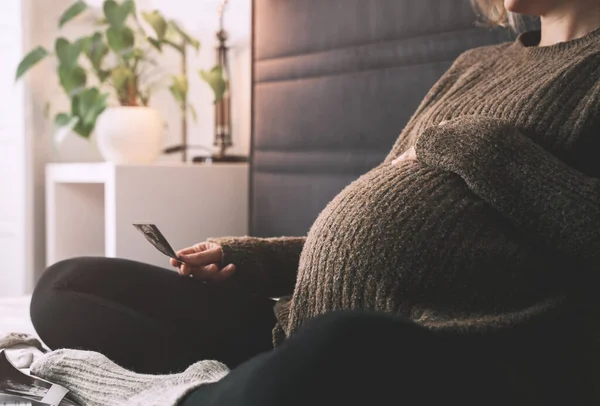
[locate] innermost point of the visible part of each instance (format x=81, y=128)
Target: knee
x=358, y=323
x=348, y=330
x=59, y=274
x=56, y=278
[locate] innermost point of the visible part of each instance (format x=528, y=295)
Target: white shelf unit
x=90, y=207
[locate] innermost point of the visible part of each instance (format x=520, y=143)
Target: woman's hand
x=409, y=155
x=202, y=262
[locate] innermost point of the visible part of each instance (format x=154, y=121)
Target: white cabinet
x=90, y=207
x=15, y=260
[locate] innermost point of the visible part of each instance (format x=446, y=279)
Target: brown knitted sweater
x=497, y=223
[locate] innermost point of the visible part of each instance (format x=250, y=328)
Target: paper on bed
x=16, y=385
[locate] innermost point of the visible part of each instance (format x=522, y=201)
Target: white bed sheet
x=14, y=316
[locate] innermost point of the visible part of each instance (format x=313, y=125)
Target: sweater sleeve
x=264, y=266
x=407, y=138
x=538, y=193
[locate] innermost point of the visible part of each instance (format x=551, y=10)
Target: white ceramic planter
x=130, y=135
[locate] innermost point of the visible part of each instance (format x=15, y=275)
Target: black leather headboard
x=334, y=83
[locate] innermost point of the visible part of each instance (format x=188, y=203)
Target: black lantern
x=223, y=106
x=223, y=138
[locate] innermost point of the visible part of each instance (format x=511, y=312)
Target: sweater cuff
x=236, y=250
x=266, y=266
x=465, y=143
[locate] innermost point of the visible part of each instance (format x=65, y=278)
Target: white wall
x=200, y=18
x=13, y=157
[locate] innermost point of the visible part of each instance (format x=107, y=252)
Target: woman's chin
x=527, y=7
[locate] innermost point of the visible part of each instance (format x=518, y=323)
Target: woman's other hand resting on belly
x=203, y=261
x=409, y=155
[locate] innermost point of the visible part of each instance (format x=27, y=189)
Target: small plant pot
x=130, y=135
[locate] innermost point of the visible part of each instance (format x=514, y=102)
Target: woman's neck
x=570, y=21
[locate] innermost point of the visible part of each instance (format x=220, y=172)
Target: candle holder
x=223, y=139
x=223, y=106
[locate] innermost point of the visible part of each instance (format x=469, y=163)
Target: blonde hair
x=495, y=13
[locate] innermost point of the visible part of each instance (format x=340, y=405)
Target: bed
x=333, y=84
x=14, y=315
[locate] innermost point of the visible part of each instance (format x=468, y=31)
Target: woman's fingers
x=212, y=272
x=196, y=248
x=206, y=272
x=409, y=155
x=180, y=253
x=224, y=273
x=201, y=261
x=187, y=251
x=185, y=270
x=196, y=259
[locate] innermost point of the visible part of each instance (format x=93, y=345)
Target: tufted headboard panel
x=334, y=83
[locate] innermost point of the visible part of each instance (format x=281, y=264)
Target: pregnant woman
x=479, y=233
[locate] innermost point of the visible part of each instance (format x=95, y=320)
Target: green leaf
x=216, y=81
x=177, y=47
x=96, y=51
x=61, y=120
x=116, y=14
x=177, y=95
x=157, y=22
x=68, y=53
x=124, y=81
x=103, y=75
x=63, y=126
x=72, y=80
x=132, y=7
x=84, y=43
x=179, y=89
x=30, y=60
x=92, y=103
x=187, y=38
x=144, y=99
x=87, y=107
x=120, y=77
x=138, y=54
x=84, y=130
x=101, y=21
x=120, y=39
x=155, y=43
x=72, y=12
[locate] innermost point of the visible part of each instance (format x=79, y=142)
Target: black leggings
x=356, y=358
x=352, y=358
x=152, y=320
x=145, y=318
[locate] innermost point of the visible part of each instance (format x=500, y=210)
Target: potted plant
x=117, y=61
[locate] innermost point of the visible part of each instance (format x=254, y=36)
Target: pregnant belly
x=406, y=236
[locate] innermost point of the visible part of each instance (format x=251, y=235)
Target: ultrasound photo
x=156, y=238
